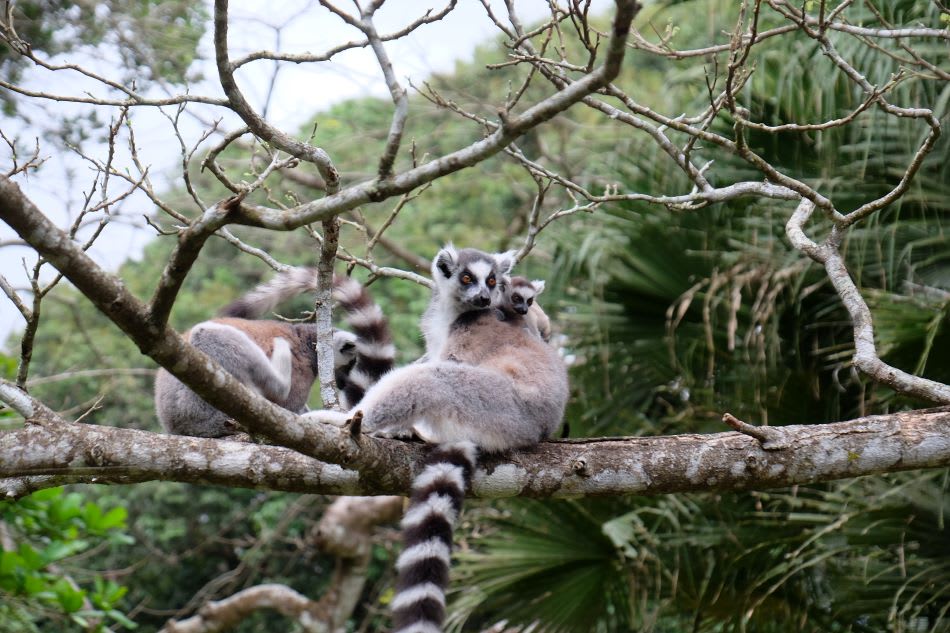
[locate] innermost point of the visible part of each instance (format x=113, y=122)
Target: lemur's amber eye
x=516, y=298
x=491, y=282
x=466, y=279
x=530, y=300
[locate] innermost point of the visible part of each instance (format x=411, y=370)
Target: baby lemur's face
x=521, y=292
x=472, y=278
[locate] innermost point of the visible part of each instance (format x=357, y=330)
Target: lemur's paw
x=392, y=432
x=324, y=416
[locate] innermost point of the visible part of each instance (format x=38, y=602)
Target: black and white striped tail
x=423, y=567
x=375, y=352
x=267, y=296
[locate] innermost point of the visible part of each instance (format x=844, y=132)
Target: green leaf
x=34, y=585
x=114, y=519
x=59, y=550
x=30, y=559
x=92, y=516
x=68, y=597
x=42, y=496
x=66, y=508
x=121, y=618
x=9, y=561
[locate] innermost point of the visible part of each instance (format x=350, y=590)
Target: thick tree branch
x=799, y=454
x=224, y=615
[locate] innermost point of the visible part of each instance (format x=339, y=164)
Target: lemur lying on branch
x=278, y=359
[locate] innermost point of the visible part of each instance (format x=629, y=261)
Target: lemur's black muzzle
x=481, y=301
x=521, y=308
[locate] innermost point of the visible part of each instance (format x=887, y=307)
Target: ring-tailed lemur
x=489, y=383
x=275, y=358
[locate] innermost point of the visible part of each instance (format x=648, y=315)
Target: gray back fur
x=182, y=412
x=275, y=359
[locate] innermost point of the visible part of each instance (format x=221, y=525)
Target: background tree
x=672, y=316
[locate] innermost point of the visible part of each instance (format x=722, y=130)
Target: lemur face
x=521, y=293
x=521, y=299
x=472, y=278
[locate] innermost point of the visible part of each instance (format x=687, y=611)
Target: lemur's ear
x=444, y=261
x=538, y=285
x=505, y=261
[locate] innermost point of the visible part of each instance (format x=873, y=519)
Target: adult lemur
x=275, y=358
x=488, y=382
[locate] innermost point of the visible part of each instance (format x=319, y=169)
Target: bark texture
x=567, y=468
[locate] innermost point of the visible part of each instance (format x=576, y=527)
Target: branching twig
x=254, y=121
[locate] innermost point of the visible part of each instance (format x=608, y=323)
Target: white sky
x=300, y=91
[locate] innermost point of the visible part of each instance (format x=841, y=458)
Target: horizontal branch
x=568, y=468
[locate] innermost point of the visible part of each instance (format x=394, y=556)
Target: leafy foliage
x=41, y=535
x=865, y=555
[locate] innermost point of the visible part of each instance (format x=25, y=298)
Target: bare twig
x=254, y=121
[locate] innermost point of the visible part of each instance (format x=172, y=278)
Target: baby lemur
x=520, y=295
x=277, y=359
x=488, y=382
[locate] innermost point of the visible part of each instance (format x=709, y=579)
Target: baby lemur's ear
x=505, y=261
x=445, y=261
x=538, y=285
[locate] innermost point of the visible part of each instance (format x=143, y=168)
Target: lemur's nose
x=521, y=308
x=482, y=300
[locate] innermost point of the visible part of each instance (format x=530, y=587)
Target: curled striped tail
x=423, y=567
x=375, y=352
x=268, y=295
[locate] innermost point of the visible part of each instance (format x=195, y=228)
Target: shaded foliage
x=43, y=584
x=700, y=312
